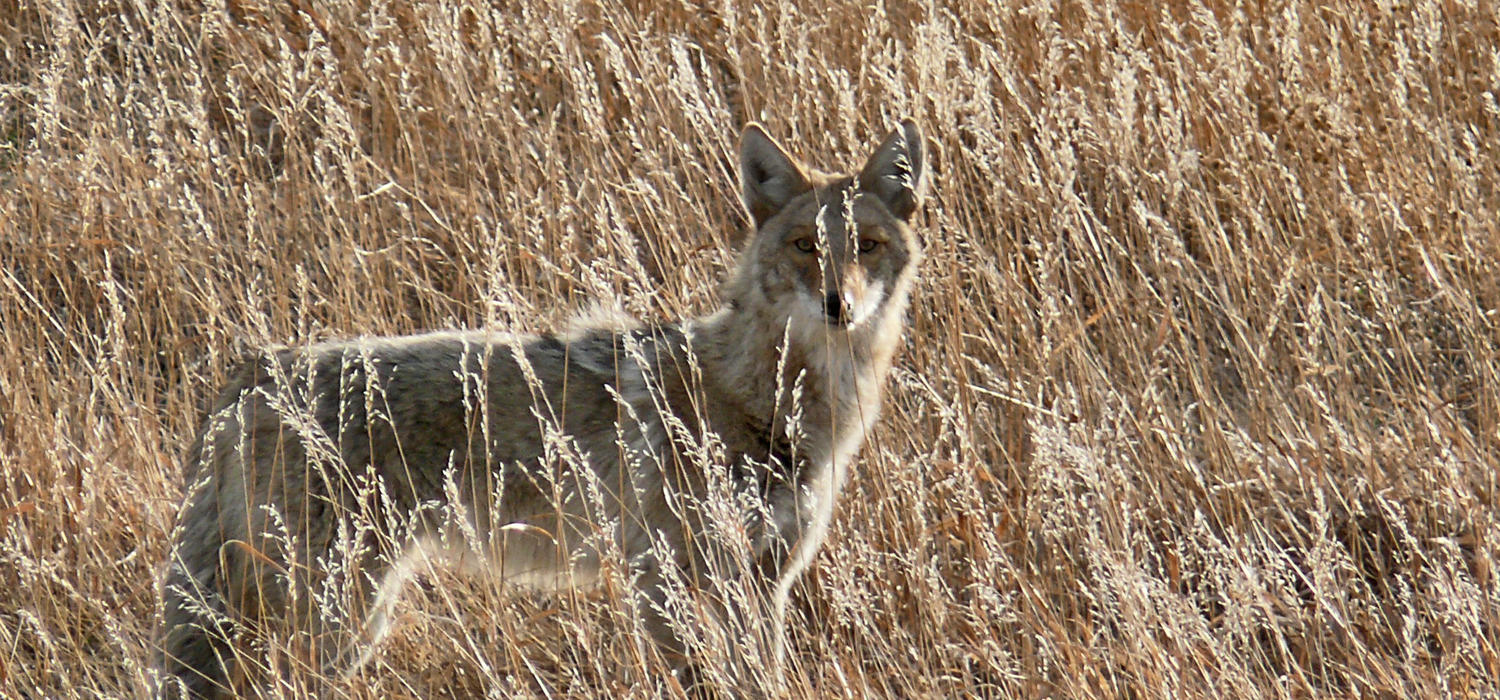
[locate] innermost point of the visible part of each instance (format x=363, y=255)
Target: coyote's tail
x=195, y=650
x=199, y=607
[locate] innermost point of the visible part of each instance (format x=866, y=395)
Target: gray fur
x=533, y=458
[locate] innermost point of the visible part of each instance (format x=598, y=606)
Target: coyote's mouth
x=848, y=314
x=836, y=313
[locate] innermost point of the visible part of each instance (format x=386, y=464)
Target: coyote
x=537, y=458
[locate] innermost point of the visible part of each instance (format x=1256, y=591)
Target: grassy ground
x=1201, y=389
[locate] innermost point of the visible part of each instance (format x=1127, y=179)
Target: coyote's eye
x=805, y=245
x=867, y=245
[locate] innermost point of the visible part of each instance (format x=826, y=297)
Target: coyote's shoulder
x=699, y=451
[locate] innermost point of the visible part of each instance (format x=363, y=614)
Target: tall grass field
x=1199, y=398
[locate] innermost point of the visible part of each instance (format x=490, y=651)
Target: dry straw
x=1200, y=390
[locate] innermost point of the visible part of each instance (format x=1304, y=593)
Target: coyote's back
x=322, y=472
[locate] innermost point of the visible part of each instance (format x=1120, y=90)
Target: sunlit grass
x=1201, y=385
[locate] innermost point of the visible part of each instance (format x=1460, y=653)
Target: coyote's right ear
x=769, y=176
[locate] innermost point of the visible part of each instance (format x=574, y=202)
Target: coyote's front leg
x=706, y=595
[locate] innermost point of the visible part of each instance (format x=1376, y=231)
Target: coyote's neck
x=828, y=382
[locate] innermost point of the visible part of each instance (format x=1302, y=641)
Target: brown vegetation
x=1201, y=389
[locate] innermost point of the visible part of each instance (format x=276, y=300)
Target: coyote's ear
x=769, y=176
x=897, y=171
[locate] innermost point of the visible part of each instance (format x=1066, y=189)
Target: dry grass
x=1201, y=389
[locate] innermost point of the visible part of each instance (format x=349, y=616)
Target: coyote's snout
x=701, y=451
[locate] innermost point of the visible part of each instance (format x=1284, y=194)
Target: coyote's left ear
x=897, y=171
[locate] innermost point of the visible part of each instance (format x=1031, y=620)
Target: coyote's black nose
x=837, y=310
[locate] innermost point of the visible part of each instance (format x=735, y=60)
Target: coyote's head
x=834, y=252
